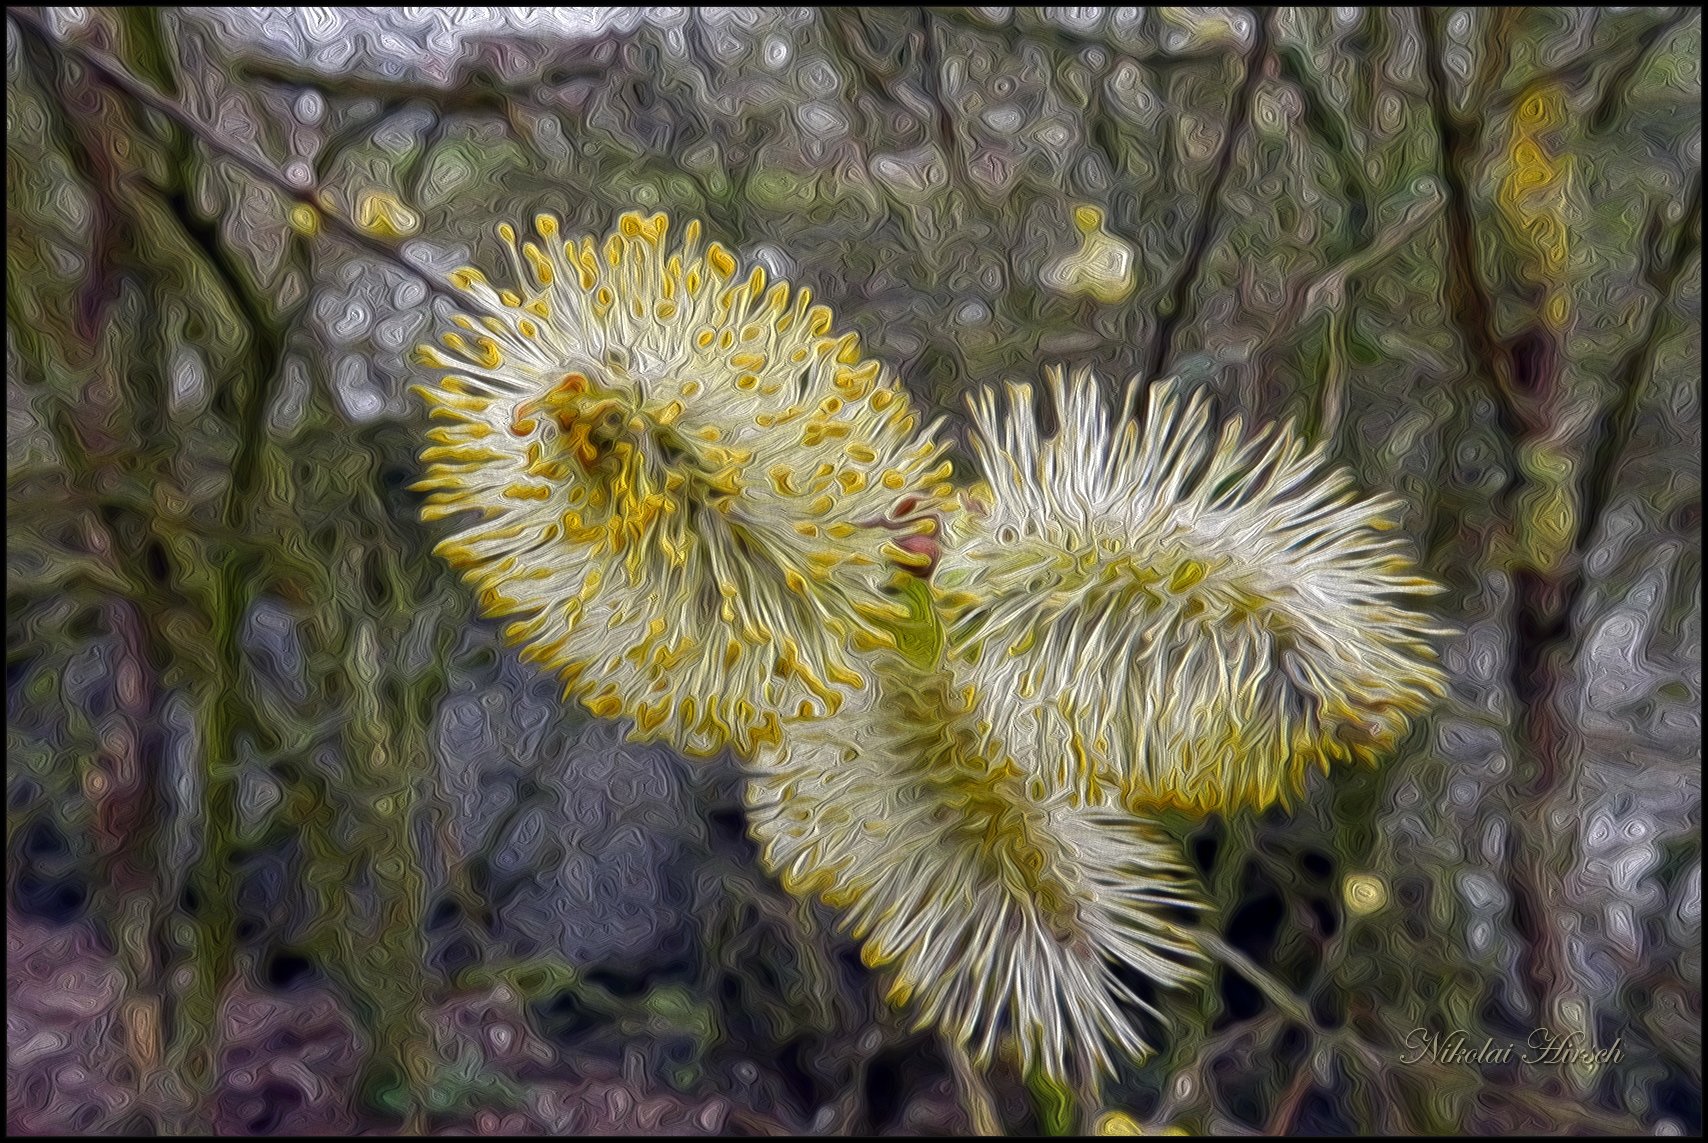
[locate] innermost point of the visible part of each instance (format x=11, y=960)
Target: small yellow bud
x=1117, y=1123
x=1102, y=267
x=305, y=220
x=1120, y=1123
x=385, y=215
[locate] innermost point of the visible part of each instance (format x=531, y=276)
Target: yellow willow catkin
x=1200, y=615
x=999, y=908
x=680, y=484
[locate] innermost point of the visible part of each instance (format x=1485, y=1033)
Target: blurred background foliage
x=275, y=791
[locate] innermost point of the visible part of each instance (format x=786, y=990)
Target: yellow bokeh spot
x=1365, y=893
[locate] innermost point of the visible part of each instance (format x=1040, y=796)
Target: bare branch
x=1631, y=377
x=471, y=96
x=1618, y=71
x=1496, y=59
x=1329, y=123
x=1173, y=310
x=847, y=27
x=931, y=77
x=478, y=90
x=1619, y=80
x=1328, y=292
x=1471, y=302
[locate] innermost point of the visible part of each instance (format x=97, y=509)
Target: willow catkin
x=1202, y=614
x=1001, y=909
x=682, y=486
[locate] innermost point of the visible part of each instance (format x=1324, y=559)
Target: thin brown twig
x=1188, y=1082
x=1618, y=72
x=1290, y=1005
x=930, y=73
x=479, y=92
x=1327, y=292
x=1633, y=372
x=848, y=32
x=1330, y=123
x=1174, y=309
x=1620, y=78
x=1473, y=307
x=477, y=89
x=1287, y=1107
x=1277, y=993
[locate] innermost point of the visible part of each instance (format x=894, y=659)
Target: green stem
x=1055, y=1103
